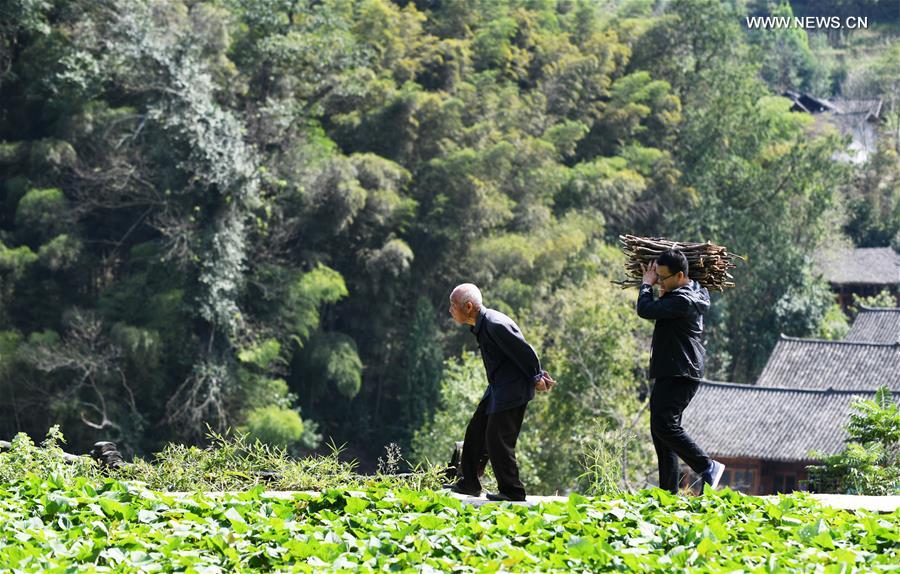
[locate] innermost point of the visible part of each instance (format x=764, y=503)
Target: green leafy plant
x=602, y=457
x=236, y=461
x=123, y=526
x=883, y=299
x=232, y=461
x=23, y=457
x=870, y=464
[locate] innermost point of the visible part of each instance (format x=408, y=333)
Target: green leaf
x=355, y=505
x=237, y=521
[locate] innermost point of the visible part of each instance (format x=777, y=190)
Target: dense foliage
x=113, y=526
x=249, y=213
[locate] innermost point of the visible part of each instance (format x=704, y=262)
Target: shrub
x=275, y=426
x=603, y=458
x=870, y=464
x=47, y=460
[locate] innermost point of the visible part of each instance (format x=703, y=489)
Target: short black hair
x=674, y=260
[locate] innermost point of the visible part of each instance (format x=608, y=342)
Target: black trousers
x=670, y=396
x=493, y=437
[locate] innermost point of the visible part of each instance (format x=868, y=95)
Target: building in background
x=766, y=436
x=767, y=433
x=875, y=324
x=862, y=271
x=860, y=120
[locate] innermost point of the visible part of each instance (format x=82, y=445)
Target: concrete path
x=853, y=502
x=842, y=501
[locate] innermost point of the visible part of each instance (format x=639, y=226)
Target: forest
x=248, y=215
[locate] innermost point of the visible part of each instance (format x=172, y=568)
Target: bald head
x=465, y=301
x=467, y=292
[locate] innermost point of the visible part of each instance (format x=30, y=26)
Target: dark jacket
x=677, y=349
x=511, y=364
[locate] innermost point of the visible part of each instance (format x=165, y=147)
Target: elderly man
x=514, y=373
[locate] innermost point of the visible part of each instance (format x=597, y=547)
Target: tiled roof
x=809, y=104
x=876, y=325
x=868, y=108
x=841, y=365
x=748, y=421
x=860, y=266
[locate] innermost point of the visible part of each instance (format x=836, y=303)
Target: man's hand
x=546, y=383
x=650, y=275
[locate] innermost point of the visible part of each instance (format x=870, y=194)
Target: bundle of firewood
x=708, y=263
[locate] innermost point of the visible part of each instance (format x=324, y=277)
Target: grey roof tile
x=842, y=365
x=860, y=266
x=777, y=424
x=865, y=107
x=876, y=325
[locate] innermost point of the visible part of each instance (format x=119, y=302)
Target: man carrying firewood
x=677, y=359
x=514, y=373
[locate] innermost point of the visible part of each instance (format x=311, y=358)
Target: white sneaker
x=713, y=474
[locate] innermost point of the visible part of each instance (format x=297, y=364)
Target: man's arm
x=662, y=308
x=510, y=340
x=670, y=307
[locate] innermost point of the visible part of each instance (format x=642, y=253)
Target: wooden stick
x=707, y=262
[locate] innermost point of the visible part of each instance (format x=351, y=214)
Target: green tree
x=421, y=370
x=874, y=200
x=212, y=181
x=599, y=358
x=788, y=62
x=462, y=386
x=765, y=189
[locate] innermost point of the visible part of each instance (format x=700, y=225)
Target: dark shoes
x=713, y=474
x=500, y=497
x=459, y=489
